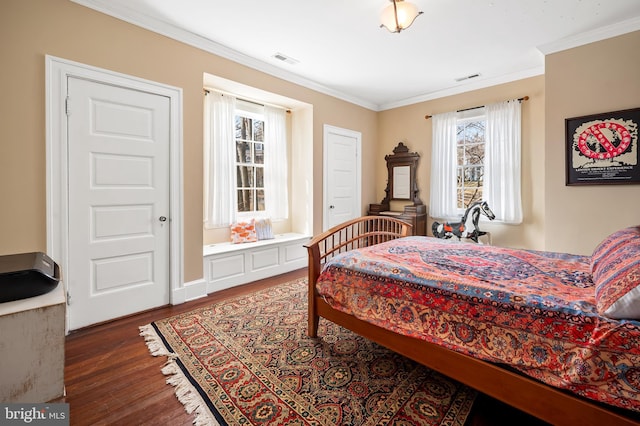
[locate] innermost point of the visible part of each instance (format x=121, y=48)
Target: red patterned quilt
x=532, y=310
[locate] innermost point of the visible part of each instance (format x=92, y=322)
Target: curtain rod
x=524, y=98
x=207, y=91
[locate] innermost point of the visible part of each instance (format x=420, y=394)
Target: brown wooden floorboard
x=111, y=379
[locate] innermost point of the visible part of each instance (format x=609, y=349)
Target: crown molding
x=466, y=87
x=598, y=34
x=134, y=17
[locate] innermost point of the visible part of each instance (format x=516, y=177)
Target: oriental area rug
x=249, y=361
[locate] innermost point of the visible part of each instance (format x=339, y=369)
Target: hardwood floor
x=111, y=379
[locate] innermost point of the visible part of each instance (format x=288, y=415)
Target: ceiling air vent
x=467, y=77
x=284, y=58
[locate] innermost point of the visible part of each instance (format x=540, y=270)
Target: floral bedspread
x=532, y=310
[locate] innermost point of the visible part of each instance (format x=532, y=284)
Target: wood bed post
x=314, y=272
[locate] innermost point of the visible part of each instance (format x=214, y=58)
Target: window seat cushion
x=227, y=247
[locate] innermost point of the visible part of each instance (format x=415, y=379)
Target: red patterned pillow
x=243, y=232
x=615, y=269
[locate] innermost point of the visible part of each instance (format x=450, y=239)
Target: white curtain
x=219, y=187
x=502, y=161
x=275, y=161
x=444, y=160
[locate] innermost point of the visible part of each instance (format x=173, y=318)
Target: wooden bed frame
x=552, y=405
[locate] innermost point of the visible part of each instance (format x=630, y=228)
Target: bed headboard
x=356, y=233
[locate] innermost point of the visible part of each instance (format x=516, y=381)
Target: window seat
x=228, y=265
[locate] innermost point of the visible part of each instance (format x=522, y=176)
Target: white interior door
x=118, y=168
x=342, y=193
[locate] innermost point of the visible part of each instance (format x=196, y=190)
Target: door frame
x=327, y=130
x=57, y=71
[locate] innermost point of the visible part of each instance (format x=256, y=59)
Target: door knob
x=332, y=207
x=162, y=219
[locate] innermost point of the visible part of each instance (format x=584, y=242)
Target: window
x=245, y=161
x=249, y=162
x=476, y=156
x=470, y=153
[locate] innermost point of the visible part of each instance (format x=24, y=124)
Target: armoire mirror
x=401, y=180
x=401, y=189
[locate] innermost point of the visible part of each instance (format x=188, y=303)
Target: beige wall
x=31, y=29
x=595, y=78
x=557, y=218
x=408, y=124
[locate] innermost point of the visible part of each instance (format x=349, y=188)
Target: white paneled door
x=341, y=176
x=118, y=195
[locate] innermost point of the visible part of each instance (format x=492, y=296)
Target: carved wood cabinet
x=402, y=186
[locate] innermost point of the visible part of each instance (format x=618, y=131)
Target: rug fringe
x=185, y=392
x=154, y=343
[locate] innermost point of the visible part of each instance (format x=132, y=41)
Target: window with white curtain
x=245, y=161
x=476, y=156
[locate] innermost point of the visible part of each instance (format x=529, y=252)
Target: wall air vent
x=467, y=77
x=284, y=58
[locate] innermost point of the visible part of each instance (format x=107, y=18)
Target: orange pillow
x=243, y=232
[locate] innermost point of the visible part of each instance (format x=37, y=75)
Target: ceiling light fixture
x=399, y=15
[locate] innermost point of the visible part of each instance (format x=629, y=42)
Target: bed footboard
x=360, y=232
